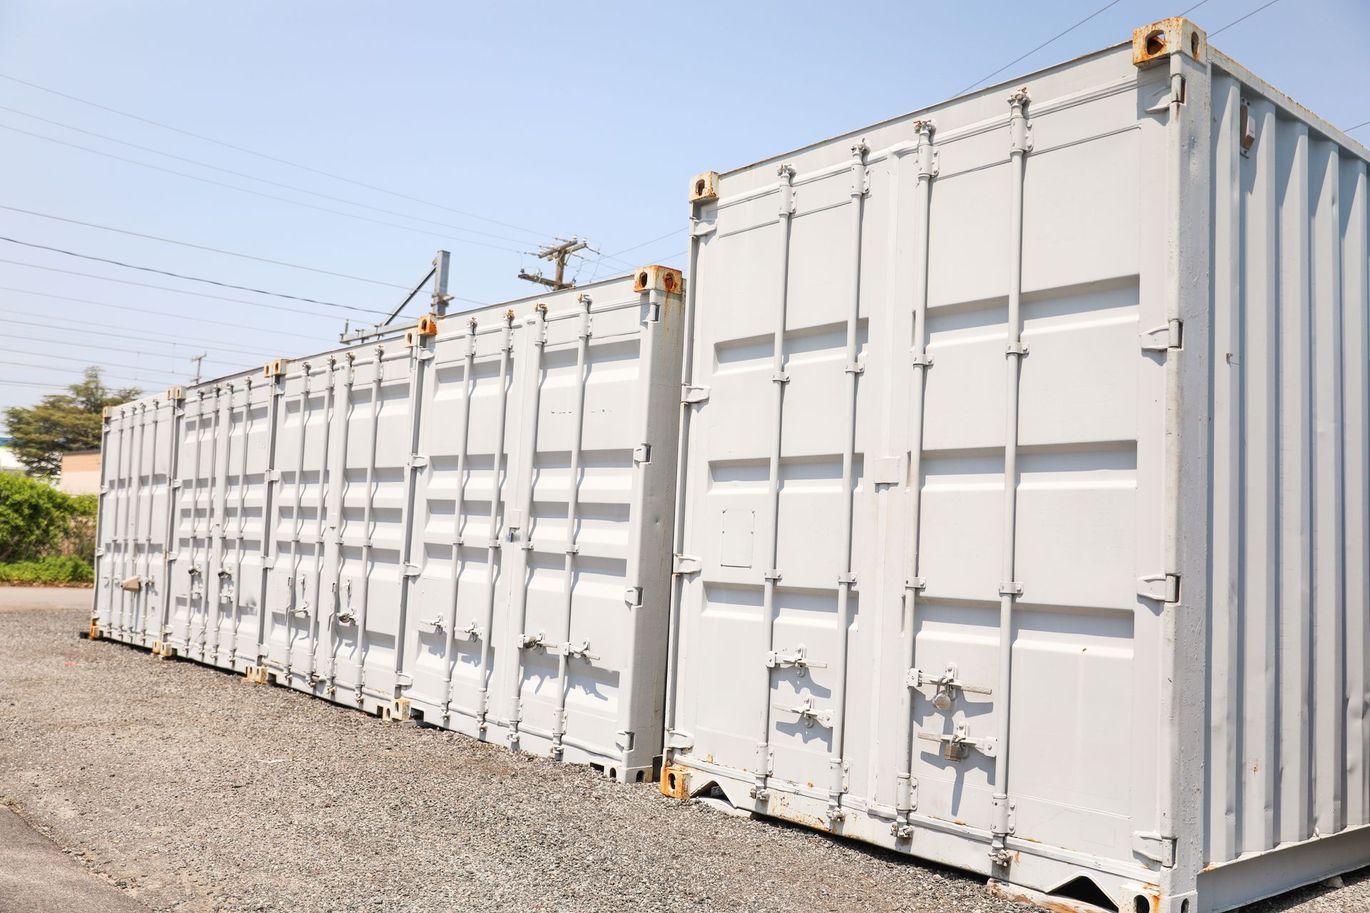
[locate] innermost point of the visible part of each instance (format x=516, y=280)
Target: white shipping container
x=1023, y=525
x=138, y=456
x=469, y=523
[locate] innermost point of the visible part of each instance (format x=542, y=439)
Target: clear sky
x=580, y=118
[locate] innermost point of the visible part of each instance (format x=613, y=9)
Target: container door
x=295, y=573
x=766, y=554
x=189, y=615
x=377, y=461
x=458, y=592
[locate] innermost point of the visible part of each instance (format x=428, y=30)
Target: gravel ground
x=194, y=791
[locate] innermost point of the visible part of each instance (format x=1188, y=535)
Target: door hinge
x=886, y=470
x=685, y=564
x=1169, y=335
x=642, y=453
x=1154, y=847
x=691, y=394
x=1160, y=587
x=681, y=741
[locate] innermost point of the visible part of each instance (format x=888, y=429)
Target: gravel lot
x=194, y=791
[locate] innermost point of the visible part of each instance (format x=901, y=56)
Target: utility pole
x=197, y=359
x=558, y=254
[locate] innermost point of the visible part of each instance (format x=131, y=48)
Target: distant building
x=80, y=473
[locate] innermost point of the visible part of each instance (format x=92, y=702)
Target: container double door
x=764, y=559
x=223, y=460
x=522, y=612
x=131, y=586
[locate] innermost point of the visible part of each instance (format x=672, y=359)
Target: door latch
x=957, y=744
x=947, y=684
x=799, y=660
x=808, y=714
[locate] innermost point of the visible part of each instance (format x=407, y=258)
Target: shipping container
x=138, y=459
x=466, y=521
x=1023, y=520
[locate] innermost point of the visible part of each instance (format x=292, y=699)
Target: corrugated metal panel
x=950, y=501
x=470, y=526
x=1289, y=737
x=131, y=534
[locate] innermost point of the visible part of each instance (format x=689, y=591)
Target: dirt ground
x=187, y=789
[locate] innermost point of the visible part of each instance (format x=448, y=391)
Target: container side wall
x=1288, y=733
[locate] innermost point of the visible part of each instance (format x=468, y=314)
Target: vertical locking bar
x=296, y=523
x=836, y=778
x=532, y=406
x=270, y=507
x=927, y=170
x=468, y=383
x=241, y=482
x=173, y=498
x=420, y=356
x=192, y=570
x=218, y=507
x=339, y=487
x=572, y=518
x=497, y=474
x=360, y=644
x=131, y=513
x=785, y=220
x=1008, y=591
x=142, y=609
x=325, y=482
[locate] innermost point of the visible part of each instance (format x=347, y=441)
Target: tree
x=62, y=423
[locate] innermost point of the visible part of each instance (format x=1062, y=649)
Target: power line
x=626, y=250
x=255, y=193
x=172, y=339
x=1193, y=8
x=28, y=383
x=103, y=334
x=176, y=356
x=269, y=157
x=1364, y=123
x=1053, y=38
x=1242, y=19
x=251, y=177
x=174, y=275
x=67, y=344
x=118, y=365
x=62, y=370
x=203, y=247
x=164, y=288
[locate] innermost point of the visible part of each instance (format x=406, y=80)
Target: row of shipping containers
x=994, y=492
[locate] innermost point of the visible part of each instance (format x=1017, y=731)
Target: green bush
x=50, y=570
x=35, y=518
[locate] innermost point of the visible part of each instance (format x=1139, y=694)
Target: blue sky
x=583, y=118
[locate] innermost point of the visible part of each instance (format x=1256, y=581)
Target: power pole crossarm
x=556, y=253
